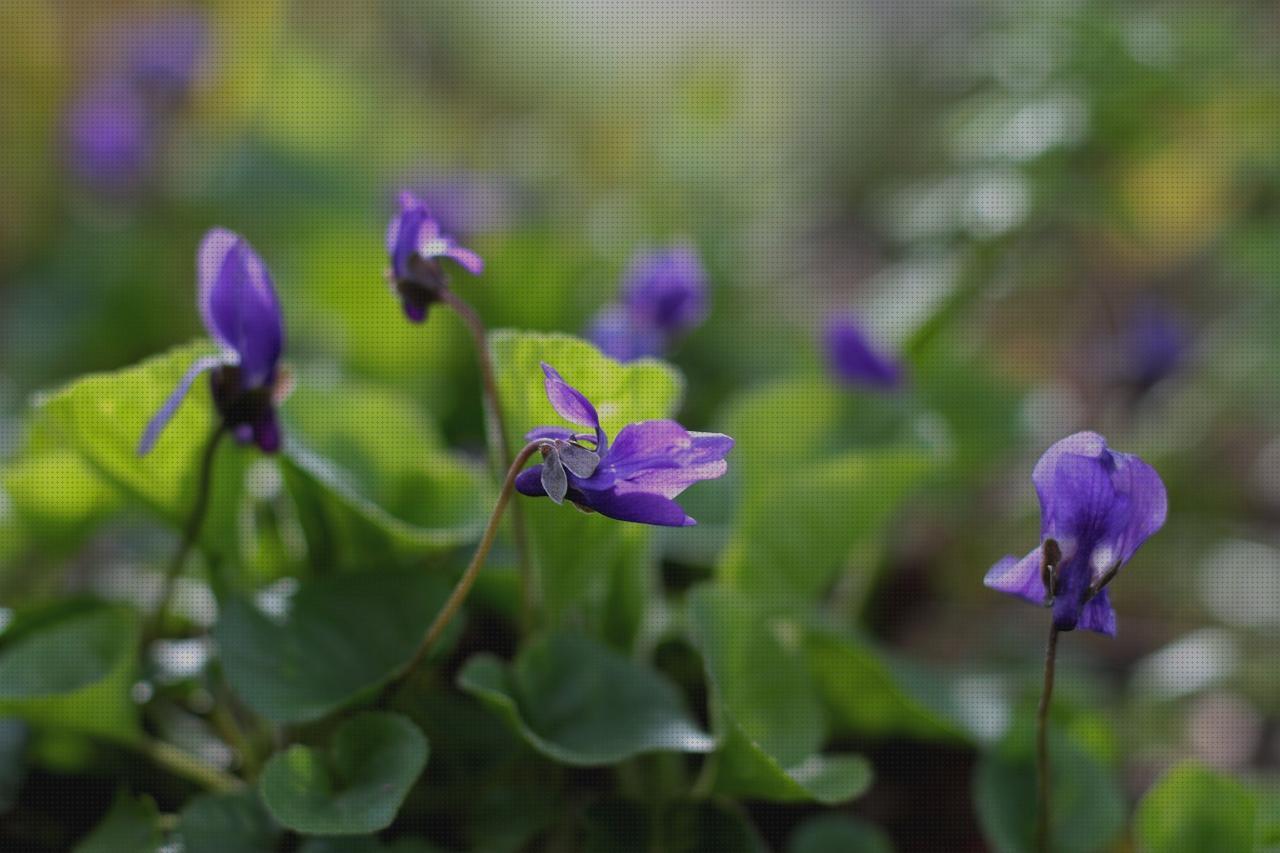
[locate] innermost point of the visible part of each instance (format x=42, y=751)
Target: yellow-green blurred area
x=1062, y=216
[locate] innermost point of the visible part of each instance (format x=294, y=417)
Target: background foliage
x=1006, y=193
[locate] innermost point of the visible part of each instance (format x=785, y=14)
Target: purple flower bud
x=163, y=55
x=1155, y=344
x=663, y=296
x=416, y=244
x=854, y=360
x=1097, y=507
x=109, y=137
x=636, y=479
x=241, y=313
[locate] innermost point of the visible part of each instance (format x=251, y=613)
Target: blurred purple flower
x=854, y=360
x=663, y=297
x=1156, y=343
x=1097, y=507
x=416, y=244
x=163, y=55
x=637, y=478
x=466, y=203
x=240, y=311
x=109, y=136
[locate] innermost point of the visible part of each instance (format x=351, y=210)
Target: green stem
x=183, y=764
x=460, y=591
x=1043, y=819
x=191, y=532
x=499, y=446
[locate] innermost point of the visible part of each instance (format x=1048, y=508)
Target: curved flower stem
x=499, y=447
x=1042, y=743
x=182, y=763
x=191, y=532
x=468, y=579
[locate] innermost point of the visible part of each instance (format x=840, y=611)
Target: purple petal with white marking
x=238, y=304
x=1020, y=578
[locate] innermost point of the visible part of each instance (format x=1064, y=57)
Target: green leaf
x=580, y=703
x=1088, y=804
x=746, y=771
x=792, y=539
x=72, y=666
x=14, y=737
x=767, y=705
x=1192, y=809
x=217, y=823
x=872, y=695
x=60, y=518
x=622, y=826
x=356, y=787
x=101, y=419
x=838, y=834
x=344, y=637
x=367, y=845
x=132, y=826
x=588, y=563
x=397, y=487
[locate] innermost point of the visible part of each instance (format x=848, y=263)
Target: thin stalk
x=182, y=763
x=191, y=532
x=1042, y=743
x=468, y=579
x=499, y=447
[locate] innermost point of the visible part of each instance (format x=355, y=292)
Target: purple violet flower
x=854, y=360
x=416, y=244
x=110, y=136
x=240, y=311
x=1155, y=343
x=1097, y=507
x=663, y=297
x=163, y=55
x=637, y=478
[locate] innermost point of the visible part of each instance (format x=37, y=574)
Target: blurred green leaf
x=367, y=845
x=622, y=826
x=396, y=488
x=1088, y=806
x=132, y=826
x=61, y=517
x=14, y=737
x=355, y=787
x=871, y=695
x=767, y=705
x=343, y=638
x=1192, y=809
x=218, y=823
x=793, y=538
x=101, y=418
x=72, y=667
x=747, y=771
x=838, y=834
x=584, y=559
x=581, y=703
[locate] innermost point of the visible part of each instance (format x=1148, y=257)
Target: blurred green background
x=1016, y=196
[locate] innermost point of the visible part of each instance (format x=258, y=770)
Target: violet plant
x=1097, y=507
x=663, y=297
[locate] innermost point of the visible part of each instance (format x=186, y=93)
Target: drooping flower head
x=1097, y=507
x=636, y=478
x=416, y=244
x=663, y=297
x=854, y=360
x=240, y=311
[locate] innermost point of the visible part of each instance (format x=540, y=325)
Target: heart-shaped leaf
x=1088, y=805
x=217, y=823
x=397, y=487
x=72, y=665
x=356, y=787
x=838, y=834
x=101, y=418
x=766, y=705
x=595, y=571
x=132, y=826
x=343, y=638
x=578, y=702
x=1192, y=809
